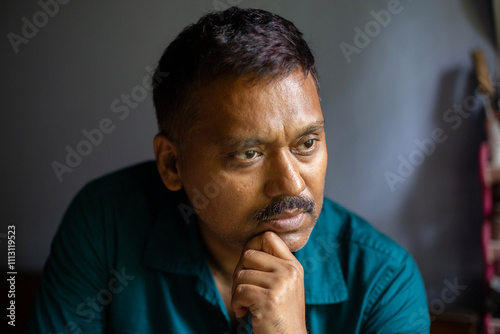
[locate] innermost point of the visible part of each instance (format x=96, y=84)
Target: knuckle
x=239, y=290
x=290, y=267
x=240, y=275
x=248, y=253
x=273, y=298
x=267, y=235
x=299, y=269
x=294, y=271
x=267, y=238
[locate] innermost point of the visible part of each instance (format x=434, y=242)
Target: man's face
x=255, y=160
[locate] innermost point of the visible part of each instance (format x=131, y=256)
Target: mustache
x=282, y=204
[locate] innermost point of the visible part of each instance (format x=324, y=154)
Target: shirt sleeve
x=72, y=297
x=398, y=303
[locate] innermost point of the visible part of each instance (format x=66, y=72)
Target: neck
x=221, y=256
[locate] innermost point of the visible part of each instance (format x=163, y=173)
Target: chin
x=295, y=241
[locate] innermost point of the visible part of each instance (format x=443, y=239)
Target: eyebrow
x=315, y=127
x=241, y=143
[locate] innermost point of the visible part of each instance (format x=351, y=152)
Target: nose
x=283, y=176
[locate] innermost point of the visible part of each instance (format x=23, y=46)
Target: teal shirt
x=127, y=258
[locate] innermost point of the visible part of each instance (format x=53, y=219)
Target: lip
x=285, y=222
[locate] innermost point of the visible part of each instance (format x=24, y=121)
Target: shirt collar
x=175, y=231
x=174, y=244
x=320, y=258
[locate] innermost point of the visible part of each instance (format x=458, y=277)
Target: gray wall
x=395, y=90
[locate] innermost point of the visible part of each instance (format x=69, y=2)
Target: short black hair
x=231, y=43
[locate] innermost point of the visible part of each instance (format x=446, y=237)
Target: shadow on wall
x=443, y=214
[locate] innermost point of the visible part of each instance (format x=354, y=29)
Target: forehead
x=242, y=108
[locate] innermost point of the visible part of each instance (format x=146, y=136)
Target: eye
x=307, y=145
x=246, y=155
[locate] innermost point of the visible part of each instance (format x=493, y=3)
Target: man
x=228, y=232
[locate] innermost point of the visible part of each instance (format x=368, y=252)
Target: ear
x=168, y=161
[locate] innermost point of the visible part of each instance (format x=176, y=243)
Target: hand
x=268, y=282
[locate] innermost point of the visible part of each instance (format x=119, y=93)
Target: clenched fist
x=268, y=282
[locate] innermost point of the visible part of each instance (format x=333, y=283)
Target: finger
x=270, y=243
x=258, y=260
x=245, y=298
x=253, y=277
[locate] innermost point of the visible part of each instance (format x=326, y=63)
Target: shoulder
x=113, y=204
x=132, y=188
x=380, y=277
x=139, y=177
x=354, y=232
x=370, y=261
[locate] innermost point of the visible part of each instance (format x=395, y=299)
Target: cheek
x=223, y=199
x=239, y=193
x=315, y=172
x=243, y=189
